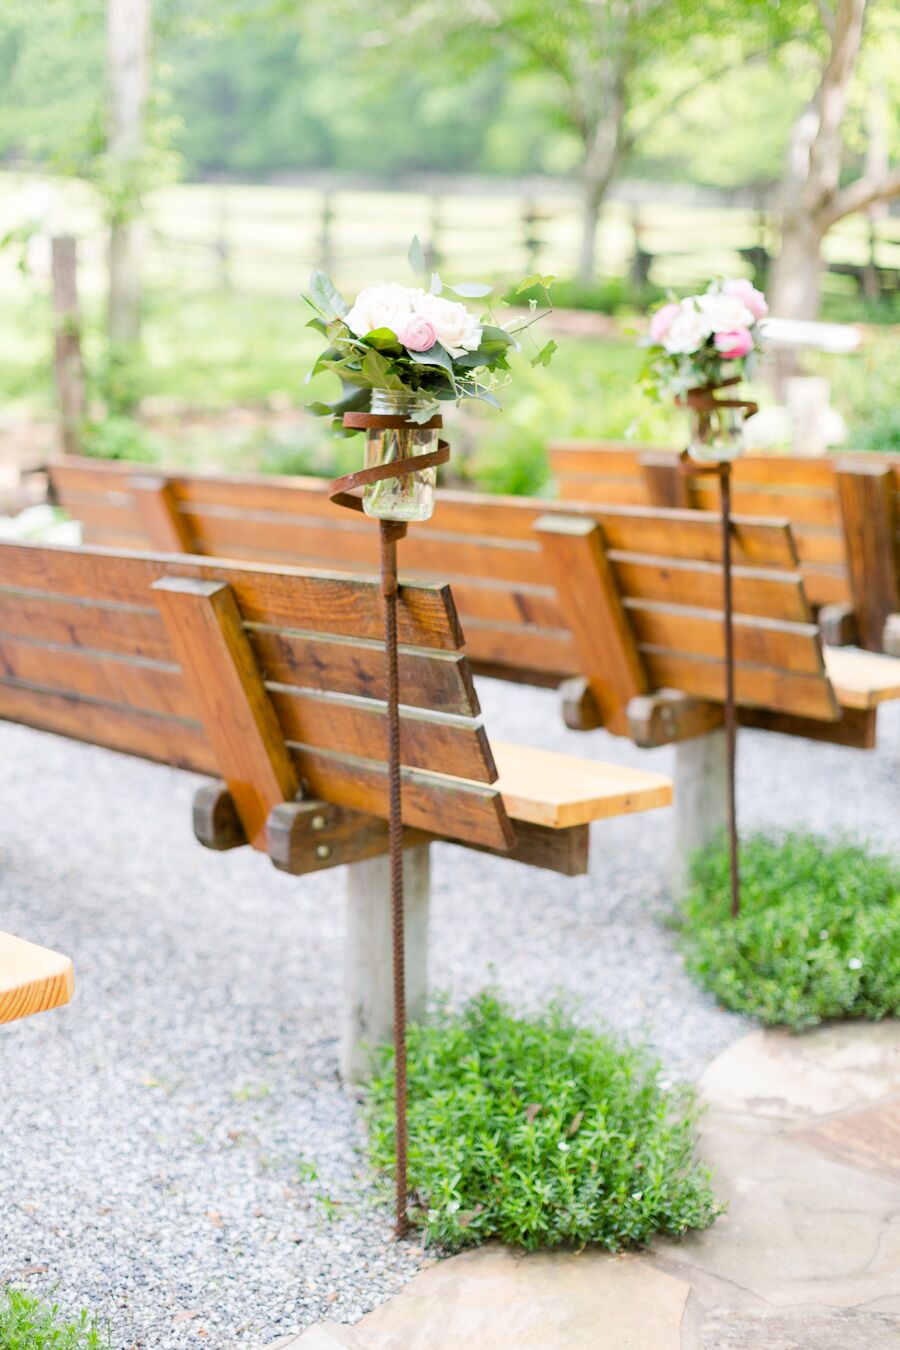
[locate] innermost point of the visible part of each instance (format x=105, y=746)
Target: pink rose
x=661, y=321
x=417, y=334
x=733, y=343
x=746, y=292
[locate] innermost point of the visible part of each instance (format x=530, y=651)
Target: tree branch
x=826, y=14
x=864, y=192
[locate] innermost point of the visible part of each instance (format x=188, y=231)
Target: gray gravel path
x=175, y=1147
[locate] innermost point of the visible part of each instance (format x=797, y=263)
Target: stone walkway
x=803, y=1135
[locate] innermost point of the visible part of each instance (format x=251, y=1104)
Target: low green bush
x=818, y=935
x=28, y=1324
x=539, y=1133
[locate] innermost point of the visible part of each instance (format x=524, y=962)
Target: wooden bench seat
x=844, y=511
x=270, y=680
x=33, y=979
x=626, y=598
x=862, y=679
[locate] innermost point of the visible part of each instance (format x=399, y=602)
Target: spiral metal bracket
x=344, y=492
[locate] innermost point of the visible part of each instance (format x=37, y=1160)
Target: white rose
x=725, y=312
x=457, y=330
x=381, y=307
x=688, y=330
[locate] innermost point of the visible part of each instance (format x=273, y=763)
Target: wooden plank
x=438, y=680
x=767, y=594
x=554, y=654
x=755, y=686
x=856, y=727
x=812, y=508
x=156, y=504
x=825, y=586
x=451, y=807
x=110, y=512
x=559, y=791
x=791, y=646
x=87, y=475
x=358, y=727
x=310, y=836
x=279, y=597
x=148, y=686
x=696, y=536
x=563, y=851
x=33, y=979
x=608, y=491
x=205, y=628
x=129, y=630
x=607, y=653
x=664, y=481
x=862, y=679
x=817, y=544
x=217, y=824
x=866, y=495
x=148, y=735
x=596, y=457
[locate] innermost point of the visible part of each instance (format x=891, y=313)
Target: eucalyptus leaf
x=471, y=290
x=417, y=260
x=327, y=297
x=434, y=356
x=436, y=284
x=319, y=325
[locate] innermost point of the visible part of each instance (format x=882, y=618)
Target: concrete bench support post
x=368, y=959
x=701, y=766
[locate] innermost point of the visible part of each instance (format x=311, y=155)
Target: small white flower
x=854, y=963
x=724, y=312
x=823, y=934
x=688, y=331
x=563, y=1146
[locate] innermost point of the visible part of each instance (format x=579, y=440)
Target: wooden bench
x=844, y=511
x=33, y=979
x=270, y=680
x=620, y=604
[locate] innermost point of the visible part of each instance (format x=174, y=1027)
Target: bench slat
x=33, y=979
x=560, y=791
x=863, y=679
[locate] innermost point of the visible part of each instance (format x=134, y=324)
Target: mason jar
x=716, y=433
x=409, y=496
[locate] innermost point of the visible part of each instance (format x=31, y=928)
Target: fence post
x=67, y=365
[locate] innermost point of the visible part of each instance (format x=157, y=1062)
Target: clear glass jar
x=411, y=495
x=716, y=433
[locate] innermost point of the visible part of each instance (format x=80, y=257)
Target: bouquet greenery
x=417, y=341
x=704, y=340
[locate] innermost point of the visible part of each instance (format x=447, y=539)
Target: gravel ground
x=176, y=1152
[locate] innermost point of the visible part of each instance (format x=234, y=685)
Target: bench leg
x=368, y=960
x=701, y=769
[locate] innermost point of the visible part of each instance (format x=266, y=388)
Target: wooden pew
x=270, y=681
x=540, y=603
x=844, y=511
x=33, y=979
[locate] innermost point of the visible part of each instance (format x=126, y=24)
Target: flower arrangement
x=704, y=341
x=416, y=342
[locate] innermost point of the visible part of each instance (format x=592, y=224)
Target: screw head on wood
x=318, y=822
x=323, y=851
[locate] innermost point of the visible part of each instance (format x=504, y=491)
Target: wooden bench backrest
x=186, y=662
x=519, y=616
x=844, y=510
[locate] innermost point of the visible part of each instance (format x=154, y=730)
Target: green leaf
x=544, y=355
x=327, y=297
x=417, y=260
x=534, y=280
x=376, y=370
x=319, y=409
x=436, y=284
x=383, y=338
x=471, y=290
x=491, y=333
x=319, y=325
x=435, y=356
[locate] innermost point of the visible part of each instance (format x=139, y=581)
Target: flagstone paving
x=803, y=1135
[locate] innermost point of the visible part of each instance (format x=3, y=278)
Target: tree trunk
x=796, y=274
x=587, y=254
x=128, y=37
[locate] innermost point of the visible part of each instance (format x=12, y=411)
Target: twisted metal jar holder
x=703, y=400
x=344, y=493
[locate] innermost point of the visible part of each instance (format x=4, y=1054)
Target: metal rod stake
x=389, y=535
x=730, y=713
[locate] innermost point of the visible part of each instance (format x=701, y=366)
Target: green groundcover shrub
x=538, y=1133
x=818, y=935
x=28, y=1324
